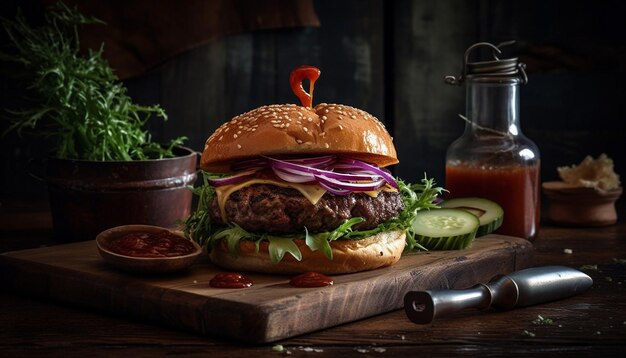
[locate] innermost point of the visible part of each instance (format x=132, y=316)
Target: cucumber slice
x=445, y=229
x=489, y=213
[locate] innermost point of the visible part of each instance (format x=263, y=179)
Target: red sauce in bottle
x=151, y=244
x=230, y=280
x=515, y=188
x=311, y=279
x=295, y=80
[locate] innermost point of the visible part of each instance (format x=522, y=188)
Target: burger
x=291, y=189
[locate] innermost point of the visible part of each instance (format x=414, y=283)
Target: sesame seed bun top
x=291, y=130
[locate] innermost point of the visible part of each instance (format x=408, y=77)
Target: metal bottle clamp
x=497, y=68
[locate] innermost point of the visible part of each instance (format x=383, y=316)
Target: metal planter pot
x=87, y=197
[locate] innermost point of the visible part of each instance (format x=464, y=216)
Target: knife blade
x=518, y=289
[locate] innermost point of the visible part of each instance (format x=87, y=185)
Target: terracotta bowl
x=579, y=206
x=143, y=264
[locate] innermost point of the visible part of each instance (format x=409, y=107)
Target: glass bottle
x=493, y=159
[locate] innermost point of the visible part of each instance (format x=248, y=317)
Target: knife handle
x=424, y=306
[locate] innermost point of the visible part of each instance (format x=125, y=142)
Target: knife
x=518, y=289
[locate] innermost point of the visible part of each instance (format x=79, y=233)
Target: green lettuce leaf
x=318, y=242
x=322, y=240
x=233, y=234
x=279, y=245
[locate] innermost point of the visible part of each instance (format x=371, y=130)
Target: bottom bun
x=380, y=250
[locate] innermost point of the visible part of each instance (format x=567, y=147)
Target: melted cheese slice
x=312, y=192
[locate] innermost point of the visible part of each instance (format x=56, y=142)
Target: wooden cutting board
x=271, y=309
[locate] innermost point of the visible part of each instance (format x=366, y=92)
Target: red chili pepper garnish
x=295, y=79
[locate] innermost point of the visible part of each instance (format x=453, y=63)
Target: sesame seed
x=324, y=117
x=226, y=129
x=340, y=127
x=353, y=116
x=220, y=138
x=276, y=125
x=235, y=136
x=238, y=146
x=308, y=143
x=298, y=141
x=287, y=125
x=305, y=129
x=340, y=117
x=326, y=145
x=309, y=119
x=326, y=110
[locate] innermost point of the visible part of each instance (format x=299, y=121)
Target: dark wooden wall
x=389, y=58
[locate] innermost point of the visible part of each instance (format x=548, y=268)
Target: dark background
x=388, y=58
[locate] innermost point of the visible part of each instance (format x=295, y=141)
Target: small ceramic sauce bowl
x=579, y=206
x=132, y=262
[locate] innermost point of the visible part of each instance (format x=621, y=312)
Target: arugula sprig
x=74, y=99
x=198, y=225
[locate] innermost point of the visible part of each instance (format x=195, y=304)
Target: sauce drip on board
x=311, y=279
x=230, y=280
x=295, y=80
x=513, y=187
x=151, y=244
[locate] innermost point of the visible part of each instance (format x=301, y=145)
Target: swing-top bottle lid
x=507, y=70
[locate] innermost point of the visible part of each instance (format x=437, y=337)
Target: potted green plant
x=104, y=169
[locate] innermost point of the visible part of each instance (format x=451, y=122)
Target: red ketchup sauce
x=230, y=280
x=295, y=80
x=311, y=279
x=515, y=188
x=151, y=244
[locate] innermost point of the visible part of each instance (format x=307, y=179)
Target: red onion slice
x=369, y=186
x=335, y=191
x=310, y=172
x=294, y=177
x=303, y=169
x=374, y=169
x=339, y=176
x=234, y=179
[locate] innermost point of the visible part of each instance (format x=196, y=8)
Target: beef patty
x=277, y=210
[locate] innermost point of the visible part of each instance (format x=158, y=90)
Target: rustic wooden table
x=590, y=324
